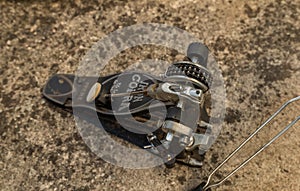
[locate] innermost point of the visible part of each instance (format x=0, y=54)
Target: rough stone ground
x=258, y=48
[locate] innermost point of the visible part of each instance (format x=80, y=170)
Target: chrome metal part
x=185, y=141
x=198, y=140
x=189, y=72
x=177, y=127
x=174, y=92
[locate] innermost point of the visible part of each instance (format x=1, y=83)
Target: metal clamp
x=198, y=140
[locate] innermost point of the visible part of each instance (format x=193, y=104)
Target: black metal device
x=165, y=115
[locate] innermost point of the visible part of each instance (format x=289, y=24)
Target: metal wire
x=209, y=185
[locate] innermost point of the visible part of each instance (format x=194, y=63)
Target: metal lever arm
x=209, y=185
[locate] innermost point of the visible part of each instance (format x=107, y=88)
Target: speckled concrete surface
x=258, y=48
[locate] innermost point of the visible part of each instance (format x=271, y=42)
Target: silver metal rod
x=208, y=185
x=255, y=154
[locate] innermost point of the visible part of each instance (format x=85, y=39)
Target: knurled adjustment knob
x=189, y=71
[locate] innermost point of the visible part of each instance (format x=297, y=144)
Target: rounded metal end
x=94, y=92
x=198, y=53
